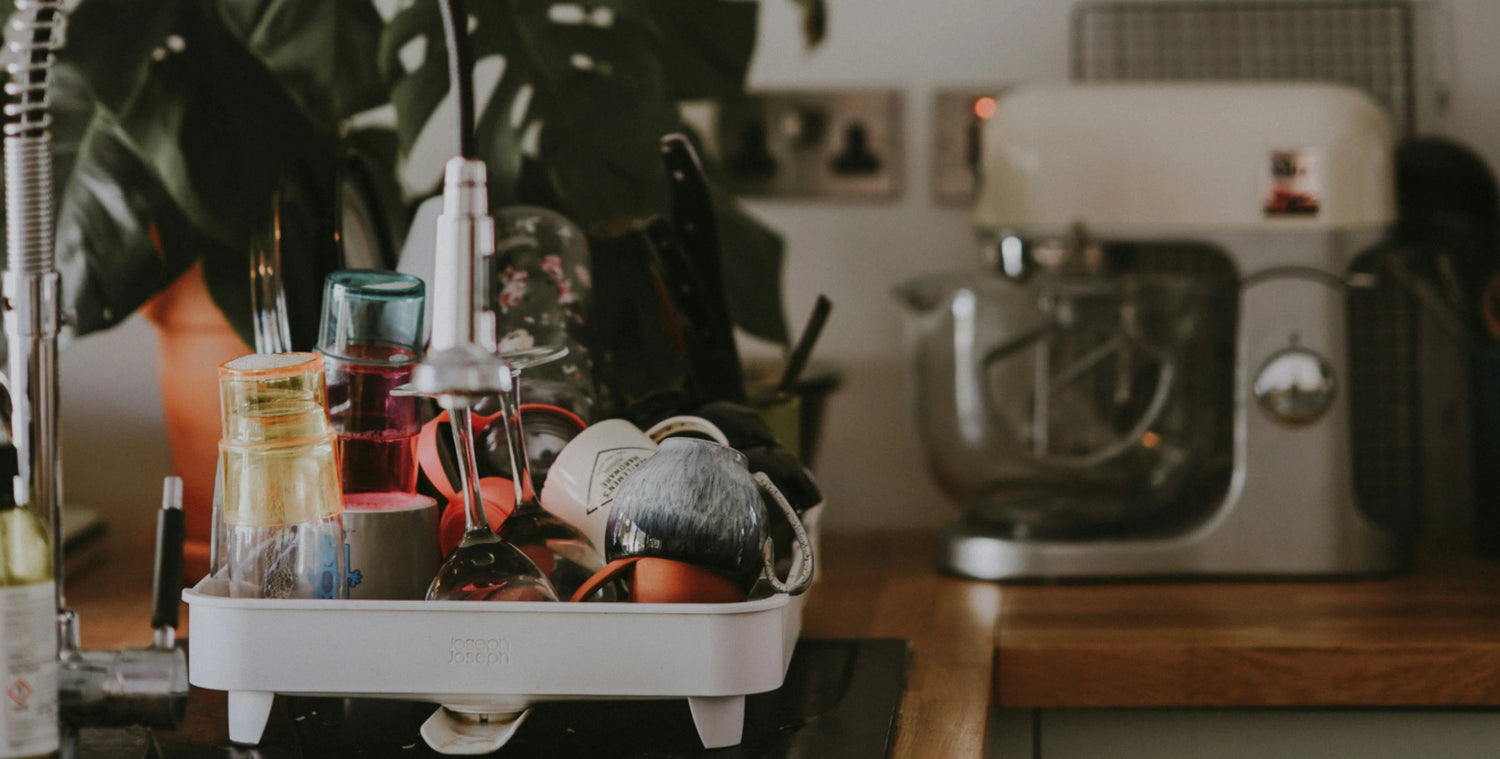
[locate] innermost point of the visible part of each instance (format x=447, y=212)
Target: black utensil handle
x=171, y=531
x=797, y=360
x=719, y=374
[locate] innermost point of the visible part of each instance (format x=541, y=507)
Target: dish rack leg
x=248, y=712
x=720, y=719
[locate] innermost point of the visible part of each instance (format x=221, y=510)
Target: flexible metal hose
x=31, y=290
x=28, y=154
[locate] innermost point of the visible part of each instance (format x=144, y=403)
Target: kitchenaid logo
x=1293, y=185
x=487, y=652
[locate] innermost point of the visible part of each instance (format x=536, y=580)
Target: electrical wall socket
x=957, y=132
x=818, y=143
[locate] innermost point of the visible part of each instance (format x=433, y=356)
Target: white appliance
x=1269, y=413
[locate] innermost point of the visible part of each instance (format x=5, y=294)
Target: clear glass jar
x=282, y=506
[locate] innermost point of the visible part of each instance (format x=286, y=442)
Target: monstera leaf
x=323, y=53
x=176, y=119
x=111, y=214
x=214, y=104
x=572, y=101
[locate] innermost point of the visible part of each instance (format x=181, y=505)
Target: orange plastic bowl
x=499, y=499
x=657, y=581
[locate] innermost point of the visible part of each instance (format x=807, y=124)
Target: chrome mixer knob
x=1295, y=387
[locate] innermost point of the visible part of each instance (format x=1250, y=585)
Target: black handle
x=716, y=359
x=797, y=360
x=171, y=531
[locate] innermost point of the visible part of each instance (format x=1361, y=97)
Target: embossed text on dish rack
x=479, y=651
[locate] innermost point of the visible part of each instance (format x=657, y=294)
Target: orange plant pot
x=193, y=339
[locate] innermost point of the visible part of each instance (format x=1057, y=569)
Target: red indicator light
x=985, y=107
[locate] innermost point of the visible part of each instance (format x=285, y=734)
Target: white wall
x=870, y=465
x=873, y=468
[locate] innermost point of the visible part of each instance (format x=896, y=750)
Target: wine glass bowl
x=486, y=568
x=567, y=557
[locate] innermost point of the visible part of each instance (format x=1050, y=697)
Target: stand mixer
x=1197, y=354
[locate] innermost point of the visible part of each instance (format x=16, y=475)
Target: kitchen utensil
x=544, y=295
x=695, y=258
x=498, y=500
x=1056, y=410
x=587, y=474
x=282, y=506
x=696, y=501
x=710, y=654
x=686, y=425
x=652, y=580
x=796, y=360
x=548, y=429
x=370, y=337
x=392, y=541
x=642, y=368
x=483, y=567
x=564, y=553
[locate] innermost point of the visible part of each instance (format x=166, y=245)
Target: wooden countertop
x=880, y=585
x=885, y=585
x=1428, y=638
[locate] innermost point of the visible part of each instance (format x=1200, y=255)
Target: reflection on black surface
x=839, y=700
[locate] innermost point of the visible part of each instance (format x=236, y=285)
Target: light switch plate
x=813, y=143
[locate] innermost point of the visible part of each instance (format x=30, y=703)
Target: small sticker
x=28, y=670
x=1293, y=186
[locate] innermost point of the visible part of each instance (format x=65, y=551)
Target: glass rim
x=377, y=283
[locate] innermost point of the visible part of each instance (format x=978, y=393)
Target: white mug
x=582, y=481
x=689, y=426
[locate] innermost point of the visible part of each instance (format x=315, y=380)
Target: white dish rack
x=494, y=659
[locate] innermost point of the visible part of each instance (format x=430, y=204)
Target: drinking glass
x=483, y=567
x=567, y=557
x=282, y=509
x=542, y=293
x=370, y=338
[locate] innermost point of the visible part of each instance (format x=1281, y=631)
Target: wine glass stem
x=468, y=467
x=515, y=439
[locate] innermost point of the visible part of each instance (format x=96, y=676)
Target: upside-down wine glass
x=564, y=554
x=484, y=567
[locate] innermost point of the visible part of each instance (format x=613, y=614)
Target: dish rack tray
x=490, y=658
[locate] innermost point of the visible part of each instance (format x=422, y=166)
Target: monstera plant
x=177, y=120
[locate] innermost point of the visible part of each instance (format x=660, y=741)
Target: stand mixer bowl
x=1063, y=408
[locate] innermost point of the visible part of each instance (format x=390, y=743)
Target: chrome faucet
x=95, y=688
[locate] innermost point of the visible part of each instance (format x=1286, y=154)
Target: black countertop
x=840, y=700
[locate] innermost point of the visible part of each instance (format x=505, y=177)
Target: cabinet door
x=1244, y=734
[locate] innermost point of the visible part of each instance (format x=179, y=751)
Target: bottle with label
x=28, y=631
